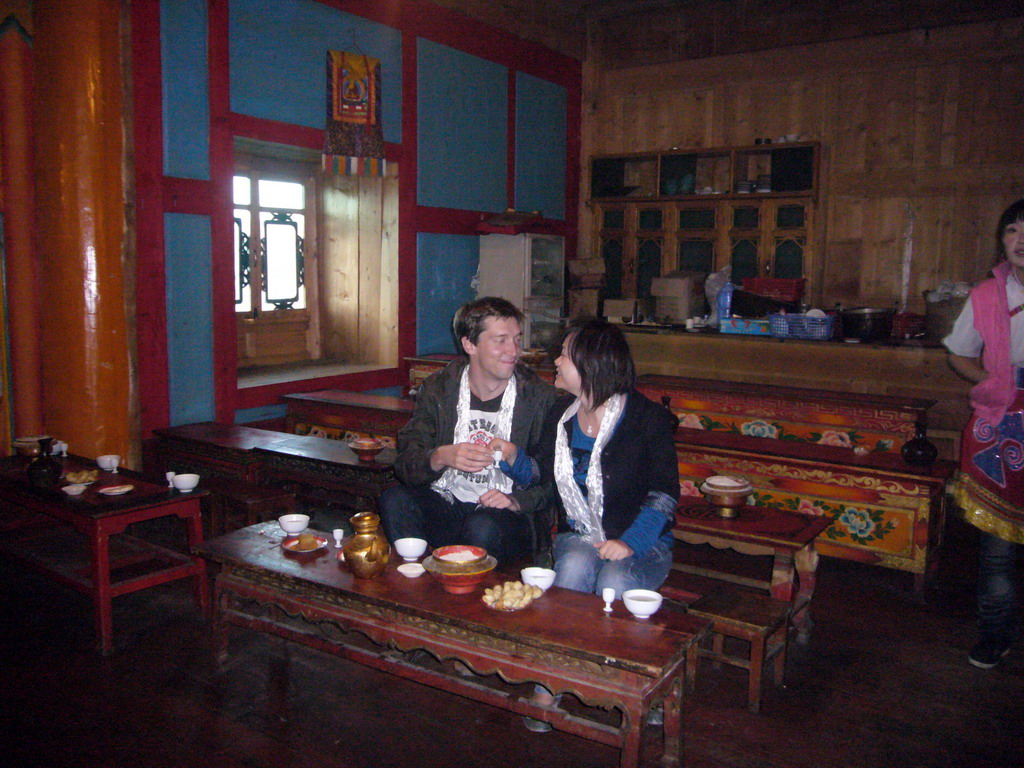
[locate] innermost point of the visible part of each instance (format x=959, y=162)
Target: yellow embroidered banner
x=354, y=136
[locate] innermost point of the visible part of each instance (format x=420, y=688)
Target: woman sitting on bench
x=610, y=453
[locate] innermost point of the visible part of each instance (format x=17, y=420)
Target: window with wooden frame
x=275, y=257
x=315, y=263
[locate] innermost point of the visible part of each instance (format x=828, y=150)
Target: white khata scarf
x=444, y=483
x=586, y=513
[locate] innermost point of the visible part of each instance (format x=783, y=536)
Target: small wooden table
x=325, y=472
x=99, y=518
x=211, y=449
x=563, y=641
x=787, y=536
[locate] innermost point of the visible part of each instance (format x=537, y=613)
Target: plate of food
x=115, y=490
x=511, y=596
x=82, y=477
x=304, y=542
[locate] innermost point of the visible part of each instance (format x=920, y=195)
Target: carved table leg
x=99, y=545
x=783, y=576
x=807, y=569
x=632, y=727
x=200, y=588
x=672, y=703
x=219, y=627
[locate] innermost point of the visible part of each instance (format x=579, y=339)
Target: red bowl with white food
x=460, y=554
x=459, y=577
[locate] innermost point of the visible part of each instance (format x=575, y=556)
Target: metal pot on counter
x=867, y=323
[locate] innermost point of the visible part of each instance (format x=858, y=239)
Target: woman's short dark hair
x=469, y=320
x=601, y=355
x=1014, y=213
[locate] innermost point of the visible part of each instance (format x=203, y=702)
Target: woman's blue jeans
x=997, y=589
x=579, y=567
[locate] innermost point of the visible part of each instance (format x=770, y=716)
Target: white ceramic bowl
x=412, y=570
x=75, y=489
x=642, y=603
x=294, y=523
x=410, y=548
x=108, y=461
x=185, y=482
x=538, y=577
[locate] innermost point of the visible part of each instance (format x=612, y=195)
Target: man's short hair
x=469, y=320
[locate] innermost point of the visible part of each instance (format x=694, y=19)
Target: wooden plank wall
x=363, y=234
x=926, y=118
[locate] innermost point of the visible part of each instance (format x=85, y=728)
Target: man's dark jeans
x=422, y=512
x=997, y=589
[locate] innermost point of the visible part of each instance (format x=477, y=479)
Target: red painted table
x=787, y=536
x=100, y=519
x=211, y=449
x=563, y=640
x=325, y=473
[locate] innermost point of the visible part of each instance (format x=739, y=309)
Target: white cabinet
x=528, y=269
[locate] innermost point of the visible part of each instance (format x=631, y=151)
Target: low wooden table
x=787, y=536
x=563, y=641
x=325, y=472
x=99, y=518
x=214, y=450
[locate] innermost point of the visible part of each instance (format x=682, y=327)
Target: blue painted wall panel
x=189, y=318
x=261, y=413
x=462, y=121
x=186, y=101
x=279, y=53
x=386, y=391
x=445, y=264
x=540, y=146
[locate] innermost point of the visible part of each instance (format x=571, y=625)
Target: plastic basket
x=779, y=288
x=801, y=326
x=745, y=326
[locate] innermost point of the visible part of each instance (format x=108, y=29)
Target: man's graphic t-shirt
x=483, y=423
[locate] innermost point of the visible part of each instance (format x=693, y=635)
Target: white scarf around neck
x=585, y=514
x=444, y=483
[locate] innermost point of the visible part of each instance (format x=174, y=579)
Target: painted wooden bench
x=822, y=453
x=341, y=415
x=883, y=511
x=877, y=423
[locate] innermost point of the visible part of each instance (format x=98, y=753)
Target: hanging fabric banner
x=354, y=138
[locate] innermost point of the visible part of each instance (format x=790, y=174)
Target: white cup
x=108, y=462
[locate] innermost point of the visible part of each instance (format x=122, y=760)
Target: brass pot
x=28, y=446
x=727, y=504
x=367, y=553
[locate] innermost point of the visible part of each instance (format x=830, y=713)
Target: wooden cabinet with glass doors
x=690, y=210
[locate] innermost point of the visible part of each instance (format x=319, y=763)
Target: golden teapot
x=367, y=552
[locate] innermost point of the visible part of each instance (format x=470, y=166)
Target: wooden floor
x=884, y=682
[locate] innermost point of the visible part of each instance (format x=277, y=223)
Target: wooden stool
x=237, y=503
x=758, y=619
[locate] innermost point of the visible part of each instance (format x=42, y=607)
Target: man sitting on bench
x=453, y=491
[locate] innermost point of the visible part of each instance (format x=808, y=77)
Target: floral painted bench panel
x=883, y=511
x=876, y=423
x=338, y=414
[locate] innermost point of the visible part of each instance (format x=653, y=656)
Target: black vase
x=45, y=469
x=919, y=451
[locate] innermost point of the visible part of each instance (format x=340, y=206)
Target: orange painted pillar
x=22, y=284
x=83, y=233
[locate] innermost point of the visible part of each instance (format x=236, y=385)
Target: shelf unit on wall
x=682, y=209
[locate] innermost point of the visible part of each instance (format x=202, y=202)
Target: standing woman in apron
x=986, y=347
